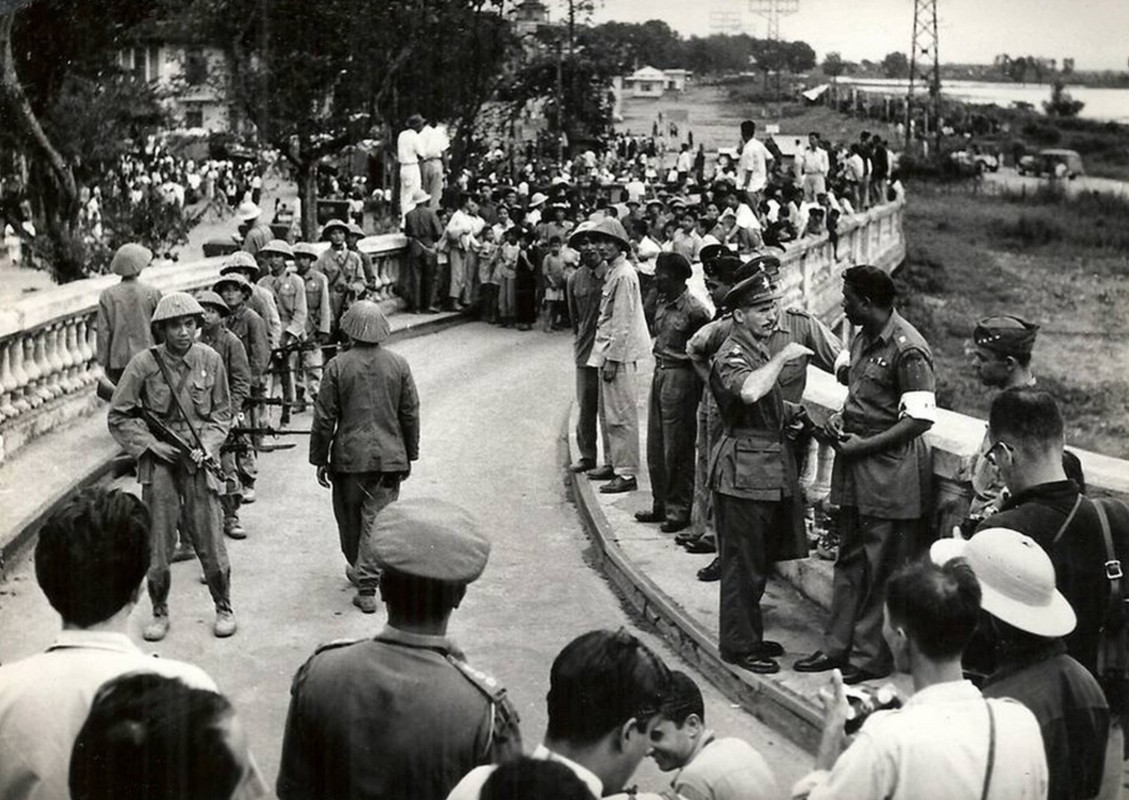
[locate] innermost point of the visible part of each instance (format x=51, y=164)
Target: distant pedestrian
x=258, y=231
x=423, y=229
x=124, y=311
x=408, y=158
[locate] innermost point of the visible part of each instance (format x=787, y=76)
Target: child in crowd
x=442, y=263
x=487, y=279
x=505, y=272
x=553, y=276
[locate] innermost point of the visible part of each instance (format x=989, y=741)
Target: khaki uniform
x=251, y=331
x=202, y=388
x=124, y=311
x=289, y=293
x=399, y=716
x=262, y=303
x=234, y=358
x=319, y=320
x=756, y=491
x=257, y=237
x=342, y=269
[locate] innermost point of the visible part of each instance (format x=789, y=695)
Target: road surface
x=492, y=405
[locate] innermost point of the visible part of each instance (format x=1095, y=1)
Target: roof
x=647, y=74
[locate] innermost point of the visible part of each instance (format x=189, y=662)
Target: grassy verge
x=1062, y=266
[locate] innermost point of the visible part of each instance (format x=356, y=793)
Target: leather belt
x=762, y=434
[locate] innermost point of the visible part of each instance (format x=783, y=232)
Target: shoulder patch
x=486, y=684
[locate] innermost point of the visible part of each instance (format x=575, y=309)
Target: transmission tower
x=773, y=10
x=924, y=65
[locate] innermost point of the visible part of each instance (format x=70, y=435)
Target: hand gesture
x=794, y=350
x=324, y=479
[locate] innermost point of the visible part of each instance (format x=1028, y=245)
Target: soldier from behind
x=364, y=438
x=124, y=311
x=402, y=714
x=172, y=411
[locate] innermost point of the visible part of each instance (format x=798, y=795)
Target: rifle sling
x=176, y=398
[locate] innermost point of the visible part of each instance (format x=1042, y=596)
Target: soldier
x=675, y=392
x=258, y=231
x=881, y=477
x=261, y=300
x=341, y=267
x=401, y=715
x=319, y=324
x=124, y=311
x=183, y=384
x=364, y=438
x=753, y=476
x=289, y=292
x=251, y=331
x=353, y=235
x=227, y=344
x=424, y=230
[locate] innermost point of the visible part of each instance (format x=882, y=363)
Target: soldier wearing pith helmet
x=184, y=384
x=124, y=311
x=407, y=694
x=364, y=438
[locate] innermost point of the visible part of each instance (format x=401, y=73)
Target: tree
x=895, y=65
x=1062, y=104
x=801, y=57
x=833, y=65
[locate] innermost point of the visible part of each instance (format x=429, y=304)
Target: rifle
x=271, y=401
x=266, y=430
x=302, y=346
x=164, y=433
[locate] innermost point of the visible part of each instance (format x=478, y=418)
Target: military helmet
x=306, y=249
x=236, y=278
x=130, y=259
x=238, y=262
x=177, y=304
x=333, y=223
x=353, y=229
x=611, y=228
x=278, y=247
x=365, y=322
x=210, y=298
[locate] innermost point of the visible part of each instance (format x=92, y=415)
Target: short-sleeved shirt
x=583, y=292
x=754, y=165
x=675, y=322
x=794, y=325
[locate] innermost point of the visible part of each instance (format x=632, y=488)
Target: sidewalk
x=659, y=579
x=52, y=466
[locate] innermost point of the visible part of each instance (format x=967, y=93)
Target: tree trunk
x=308, y=193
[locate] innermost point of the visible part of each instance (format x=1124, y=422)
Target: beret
x=430, y=538
x=1006, y=335
x=675, y=263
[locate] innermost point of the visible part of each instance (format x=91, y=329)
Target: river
x=1100, y=103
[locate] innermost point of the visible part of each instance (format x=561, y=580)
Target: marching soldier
x=341, y=267
x=319, y=323
x=753, y=475
x=172, y=411
x=261, y=301
x=402, y=714
x=364, y=438
x=227, y=344
x=124, y=311
x=290, y=296
x=353, y=235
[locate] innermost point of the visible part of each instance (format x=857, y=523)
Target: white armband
x=841, y=360
x=918, y=405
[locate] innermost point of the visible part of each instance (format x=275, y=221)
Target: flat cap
x=430, y=538
x=1006, y=335
x=130, y=259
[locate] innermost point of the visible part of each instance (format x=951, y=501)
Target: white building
x=652, y=82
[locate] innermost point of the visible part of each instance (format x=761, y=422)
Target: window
x=195, y=66
x=154, y=63
x=138, y=64
x=194, y=115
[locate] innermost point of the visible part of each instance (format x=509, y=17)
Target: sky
x=1094, y=32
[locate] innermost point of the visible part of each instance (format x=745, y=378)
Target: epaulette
x=300, y=675
x=797, y=312
x=334, y=644
x=484, y=683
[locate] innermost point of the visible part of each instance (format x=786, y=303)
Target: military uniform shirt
x=319, y=313
x=675, y=322
x=251, y=331
x=583, y=290
x=124, y=312
x=290, y=295
x=262, y=303
x=794, y=325
x=230, y=349
x=257, y=238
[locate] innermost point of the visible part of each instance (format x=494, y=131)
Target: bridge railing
x=48, y=340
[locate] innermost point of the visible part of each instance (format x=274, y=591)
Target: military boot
x=158, y=628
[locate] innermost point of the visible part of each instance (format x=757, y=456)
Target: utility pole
x=925, y=48
x=773, y=10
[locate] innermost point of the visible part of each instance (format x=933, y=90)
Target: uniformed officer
x=342, y=267
x=401, y=715
x=184, y=383
x=753, y=475
x=675, y=392
x=261, y=301
x=319, y=323
x=1002, y=359
x=124, y=311
x=227, y=344
x=290, y=296
x=882, y=473
x=364, y=438
x=251, y=331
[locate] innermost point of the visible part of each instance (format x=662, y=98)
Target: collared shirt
x=724, y=769
x=124, y=312
x=262, y=303
x=753, y=166
x=407, y=147
x=398, y=716
x=813, y=161
x=257, y=237
x=939, y=739
x=795, y=325
x=366, y=415
x=470, y=787
x=289, y=292
x=344, y=272
x=621, y=332
x=677, y=320
x=251, y=331
x=319, y=312
x=686, y=244
x=583, y=291
x=45, y=699
x=234, y=357
x=433, y=142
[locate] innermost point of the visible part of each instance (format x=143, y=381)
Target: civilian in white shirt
x=752, y=168
x=814, y=166
x=433, y=145
x=947, y=742
x=408, y=157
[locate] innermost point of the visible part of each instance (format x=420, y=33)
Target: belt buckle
x=1113, y=570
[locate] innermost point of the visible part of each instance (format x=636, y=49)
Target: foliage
x=833, y=65
x=895, y=65
x=1062, y=104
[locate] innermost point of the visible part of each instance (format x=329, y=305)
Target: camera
x=864, y=701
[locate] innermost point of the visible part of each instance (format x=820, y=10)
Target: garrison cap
x=130, y=260
x=365, y=322
x=1006, y=335
x=235, y=279
x=430, y=538
x=176, y=304
x=210, y=298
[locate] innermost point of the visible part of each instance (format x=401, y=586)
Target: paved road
x=493, y=401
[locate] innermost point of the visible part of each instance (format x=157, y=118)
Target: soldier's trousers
x=618, y=407
x=459, y=289
x=746, y=531
x=588, y=404
x=871, y=549
x=709, y=432
x=283, y=369
x=310, y=364
x=357, y=498
x=169, y=487
x=671, y=432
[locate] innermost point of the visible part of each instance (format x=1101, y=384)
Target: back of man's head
x=414, y=599
x=149, y=737
x=937, y=607
x=748, y=128
x=1027, y=419
x=525, y=778
x=685, y=698
x=599, y=682
x=92, y=554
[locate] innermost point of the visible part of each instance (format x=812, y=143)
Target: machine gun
x=160, y=429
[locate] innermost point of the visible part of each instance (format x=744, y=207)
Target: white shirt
x=936, y=747
x=648, y=250
x=433, y=141
x=685, y=161
x=407, y=147
x=746, y=218
x=813, y=161
x=470, y=787
x=753, y=166
x=635, y=189
x=725, y=769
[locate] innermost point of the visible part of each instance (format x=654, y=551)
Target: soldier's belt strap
x=761, y=434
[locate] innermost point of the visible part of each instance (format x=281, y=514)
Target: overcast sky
x=1094, y=32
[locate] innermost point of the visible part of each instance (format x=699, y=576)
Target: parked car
x=981, y=162
x=1052, y=163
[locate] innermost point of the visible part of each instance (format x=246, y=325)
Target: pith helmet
x=235, y=278
x=353, y=229
x=130, y=260
x=177, y=304
x=248, y=211
x=240, y=262
x=365, y=322
x=278, y=247
x=333, y=223
x=210, y=298
x=611, y=228
x=306, y=249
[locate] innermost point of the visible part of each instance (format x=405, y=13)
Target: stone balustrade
x=47, y=340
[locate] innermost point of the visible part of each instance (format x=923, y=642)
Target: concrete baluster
x=86, y=346
x=43, y=365
x=8, y=383
x=32, y=391
x=54, y=382
x=67, y=348
x=20, y=394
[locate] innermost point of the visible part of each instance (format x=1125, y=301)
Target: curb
x=779, y=708
x=27, y=528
